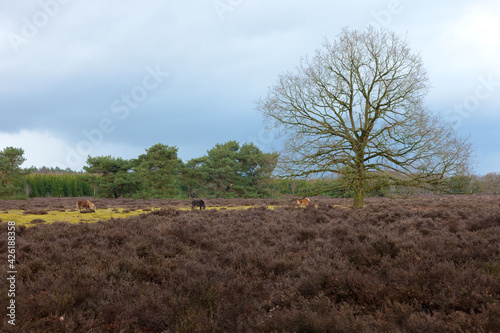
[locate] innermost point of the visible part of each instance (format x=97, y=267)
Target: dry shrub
x=395, y=266
x=35, y=212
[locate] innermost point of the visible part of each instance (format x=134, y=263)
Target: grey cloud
x=70, y=74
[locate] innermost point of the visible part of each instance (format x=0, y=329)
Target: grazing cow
x=305, y=202
x=198, y=203
x=85, y=204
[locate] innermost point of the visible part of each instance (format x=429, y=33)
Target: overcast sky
x=116, y=77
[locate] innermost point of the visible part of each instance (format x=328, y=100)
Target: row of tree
x=228, y=170
x=469, y=184
x=57, y=185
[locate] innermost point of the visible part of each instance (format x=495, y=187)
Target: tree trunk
x=359, y=197
x=359, y=178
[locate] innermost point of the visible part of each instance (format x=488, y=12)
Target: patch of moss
x=22, y=217
x=71, y=216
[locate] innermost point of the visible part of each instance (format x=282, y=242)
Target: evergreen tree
x=194, y=177
x=112, y=176
x=232, y=170
x=158, y=172
x=10, y=171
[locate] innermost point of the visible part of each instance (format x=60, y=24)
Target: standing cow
x=85, y=204
x=198, y=203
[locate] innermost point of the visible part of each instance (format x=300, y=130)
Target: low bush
x=36, y=211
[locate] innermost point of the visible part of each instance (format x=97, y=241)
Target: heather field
x=425, y=264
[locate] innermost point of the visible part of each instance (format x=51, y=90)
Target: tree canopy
x=158, y=172
x=111, y=176
x=10, y=169
x=237, y=170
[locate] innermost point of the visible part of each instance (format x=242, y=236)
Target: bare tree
x=490, y=183
x=356, y=109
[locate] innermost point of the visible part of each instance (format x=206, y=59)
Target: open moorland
x=427, y=264
x=47, y=210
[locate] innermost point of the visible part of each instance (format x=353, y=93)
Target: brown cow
x=85, y=204
x=305, y=202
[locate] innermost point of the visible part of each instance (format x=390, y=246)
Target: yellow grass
x=70, y=216
x=73, y=216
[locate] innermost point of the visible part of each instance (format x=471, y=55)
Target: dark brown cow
x=198, y=203
x=85, y=204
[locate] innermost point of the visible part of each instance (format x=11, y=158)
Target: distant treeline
x=82, y=184
x=57, y=185
x=229, y=170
